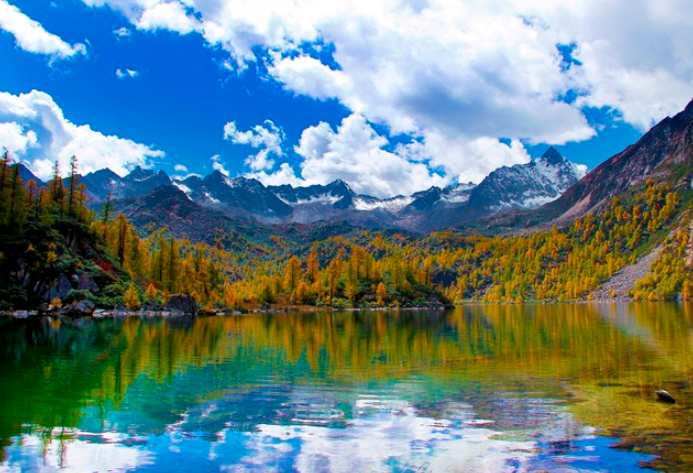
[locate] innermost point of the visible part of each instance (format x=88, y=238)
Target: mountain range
x=545, y=190
x=522, y=186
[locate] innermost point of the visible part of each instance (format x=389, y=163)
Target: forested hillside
x=54, y=249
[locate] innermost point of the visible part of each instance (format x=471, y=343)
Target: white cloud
x=284, y=175
x=180, y=168
x=217, y=165
x=354, y=153
x=126, y=73
x=50, y=136
x=456, y=76
x=15, y=139
x=32, y=37
x=152, y=15
x=170, y=16
x=471, y=160
x=267, y=138
x=308, y=76
x=636, y=55
x=478, y=68
x=122, y=32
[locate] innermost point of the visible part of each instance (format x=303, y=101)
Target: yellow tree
x=313, y=265
x=381, y=292
x=292, y=274
x=151, y=293
x=131, y=298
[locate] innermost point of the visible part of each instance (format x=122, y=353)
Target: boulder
x=79, y=309
x=181, y=304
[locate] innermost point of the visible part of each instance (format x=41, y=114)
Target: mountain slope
x=26, y=175
x=664, y=154
x=519, y=187
x=168, y=206
x=239, y=198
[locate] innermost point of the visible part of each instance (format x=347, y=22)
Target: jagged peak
x=192, y=178
x=138, y=174
x=431, y=190
x=338, y=183
x=553, y=157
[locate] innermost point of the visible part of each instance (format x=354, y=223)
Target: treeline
x=49, y=234
x=556, y=265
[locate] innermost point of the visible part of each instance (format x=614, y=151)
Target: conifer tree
x=292, y=274
x=131, y=298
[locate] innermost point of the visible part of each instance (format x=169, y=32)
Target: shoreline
x=110, y=313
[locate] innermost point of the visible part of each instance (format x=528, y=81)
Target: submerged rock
x=665, y=396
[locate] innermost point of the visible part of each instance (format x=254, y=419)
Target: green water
x=477, y=389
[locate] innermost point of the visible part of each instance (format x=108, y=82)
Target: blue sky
x=391, y=96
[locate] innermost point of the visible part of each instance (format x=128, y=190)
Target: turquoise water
x=478, y=389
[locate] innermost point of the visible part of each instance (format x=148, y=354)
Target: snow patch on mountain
x=394, y=204
x=182, y=187
x=324, y=199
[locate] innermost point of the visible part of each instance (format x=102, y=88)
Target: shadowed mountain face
x=522, y=186
x=26, y=175
x=664, y=154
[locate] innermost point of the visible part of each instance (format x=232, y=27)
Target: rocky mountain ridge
x=522, y=186
x=664, y=155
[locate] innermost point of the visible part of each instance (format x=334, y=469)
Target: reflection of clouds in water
x=73, y=455
x=388, y=439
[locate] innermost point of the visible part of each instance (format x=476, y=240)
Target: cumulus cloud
x=126, y=73
x=152, y=15
x=471, y=160
x=455, y=76
x=180, y=168
x=308, y=76
x=34, y=125
x=170, y=16
x=636, y=56
x=15, y=139
x=32, y=37
x=358, y=154
x=355, y=153
x=267, y=138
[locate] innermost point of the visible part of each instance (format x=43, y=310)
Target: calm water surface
x=478, y=389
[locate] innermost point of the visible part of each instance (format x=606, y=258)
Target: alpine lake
x=531, y=388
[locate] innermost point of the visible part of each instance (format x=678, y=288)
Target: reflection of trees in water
x=213, y=369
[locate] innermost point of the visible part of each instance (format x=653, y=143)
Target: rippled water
x=478, y=389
